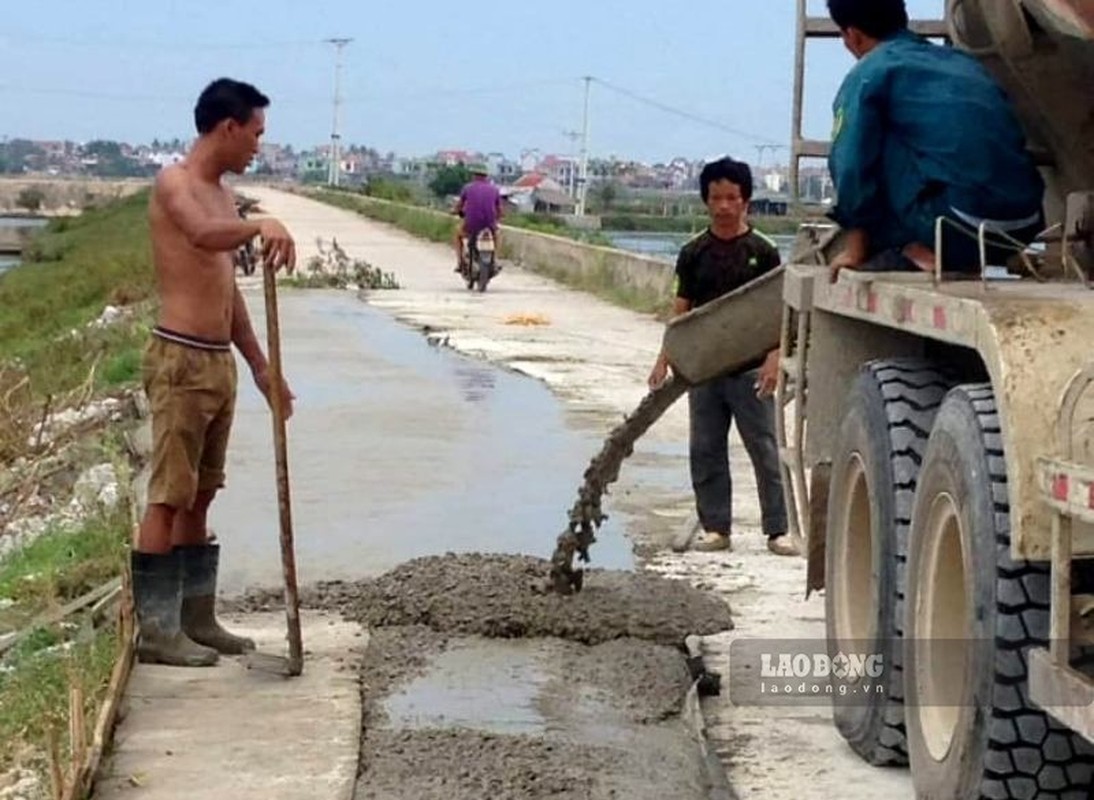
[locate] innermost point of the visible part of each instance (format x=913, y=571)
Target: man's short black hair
x=227, y=99
x=726, y=169
x=877, y=18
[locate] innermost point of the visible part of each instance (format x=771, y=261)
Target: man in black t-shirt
x=726, y=256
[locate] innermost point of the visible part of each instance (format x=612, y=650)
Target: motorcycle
x=245, y=257
x=479, y=261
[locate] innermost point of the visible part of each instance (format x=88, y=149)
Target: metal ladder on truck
x=1068, y=488
x=794, y=340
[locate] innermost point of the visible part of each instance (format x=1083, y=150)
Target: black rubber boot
x=199, y=599
x=157, y=595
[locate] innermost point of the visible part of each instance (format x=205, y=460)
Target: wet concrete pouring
x=478, y=680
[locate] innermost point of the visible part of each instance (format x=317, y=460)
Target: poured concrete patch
x=525, y=718
x=504, y=596
x=477, y=683
x=525, y=683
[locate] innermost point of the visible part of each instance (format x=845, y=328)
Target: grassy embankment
x=72, y=270
x=50, y=359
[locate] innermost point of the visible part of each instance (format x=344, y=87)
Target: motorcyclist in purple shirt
x=480, y=207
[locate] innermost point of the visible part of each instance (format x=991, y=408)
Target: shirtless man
x=190, y=375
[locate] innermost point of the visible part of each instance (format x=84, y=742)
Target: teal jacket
x=918, y=124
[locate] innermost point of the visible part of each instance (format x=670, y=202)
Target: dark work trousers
x=713, y=407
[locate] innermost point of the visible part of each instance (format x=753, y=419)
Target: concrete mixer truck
x=937, y=436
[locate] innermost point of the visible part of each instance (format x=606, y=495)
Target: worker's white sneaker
x=784, y=545
x=710, y=542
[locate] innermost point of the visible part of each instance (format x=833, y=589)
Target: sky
x=693, y=78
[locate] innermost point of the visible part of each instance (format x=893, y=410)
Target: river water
x=667, y=245
x=7, y=261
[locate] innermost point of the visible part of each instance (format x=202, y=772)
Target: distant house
x=529, y=160
x=677, y=174
x=502, y=169
x=451, y=158
x=530, y=180
x=409, y=166
x=277, y=158
x=772, y=181
x=769, y=204
x=552, y=201
x=563, y=169
x=538, y=193
x=311, y=163
x=162, y=160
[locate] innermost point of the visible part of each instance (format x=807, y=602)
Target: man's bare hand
x=278, y=247
x=262, y=381
x=768, y=376
x=658, y=375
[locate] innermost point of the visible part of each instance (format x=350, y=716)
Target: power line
x=407, y=98
x=92, y=94
x=10, y=39
x=347, y=99
x=429, y=93
x=143, y=98
x=679, y=112
x=762, y=148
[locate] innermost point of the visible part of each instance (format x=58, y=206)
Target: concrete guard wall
x=62, y=195
x=588, y=263
x=13, y=240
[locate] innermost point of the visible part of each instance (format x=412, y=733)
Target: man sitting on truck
x=921, y=132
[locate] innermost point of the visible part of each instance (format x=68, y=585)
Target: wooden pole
x=288, y=556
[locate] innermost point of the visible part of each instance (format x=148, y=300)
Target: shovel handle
x=281, y=457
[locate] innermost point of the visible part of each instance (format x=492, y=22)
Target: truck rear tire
x=882, y=438
x=973, y=613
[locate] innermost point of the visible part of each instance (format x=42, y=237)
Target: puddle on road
x=490, y=687
x=462, y=718
x=510, y=688
x=398, y=449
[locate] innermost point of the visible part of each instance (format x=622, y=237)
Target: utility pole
x=573, y=136
x=335, y=166
x=762, y=148
x=583, y=179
